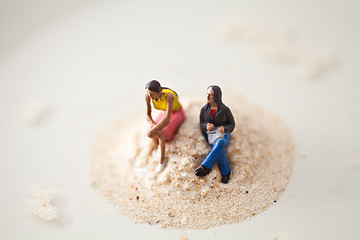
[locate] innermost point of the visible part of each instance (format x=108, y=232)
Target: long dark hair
x=155, y=86
x=217, y=95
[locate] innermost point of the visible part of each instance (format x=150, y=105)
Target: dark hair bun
x=154, y=86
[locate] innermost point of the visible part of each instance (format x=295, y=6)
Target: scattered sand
x=183, y=237
x=36, y=112
x=259, y=153
x=39, y=203
x=283, y=236
x=279, y=45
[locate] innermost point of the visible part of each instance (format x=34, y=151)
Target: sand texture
x=260, y=156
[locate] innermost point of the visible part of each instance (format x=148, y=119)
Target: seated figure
x=170, y=117
x=216, y=123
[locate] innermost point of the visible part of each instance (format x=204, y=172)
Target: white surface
x=89, y=61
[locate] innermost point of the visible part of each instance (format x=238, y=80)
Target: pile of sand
x=259, y=154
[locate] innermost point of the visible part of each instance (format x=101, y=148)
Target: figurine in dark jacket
x=216, y=123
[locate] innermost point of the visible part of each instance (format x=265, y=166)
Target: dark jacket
x=222, y=117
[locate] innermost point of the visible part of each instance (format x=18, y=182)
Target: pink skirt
x=176, y=119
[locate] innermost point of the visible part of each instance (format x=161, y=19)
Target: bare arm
x=148, y=109
x=165, y=121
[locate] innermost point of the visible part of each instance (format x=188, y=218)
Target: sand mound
x=259, y=154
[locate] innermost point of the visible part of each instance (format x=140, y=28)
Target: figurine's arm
x=203, y=123
x=165, y=121
x=149, y=118
x=229, y=127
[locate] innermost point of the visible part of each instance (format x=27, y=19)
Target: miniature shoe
x=159, y=167
x=202, y=171
x=225, y=178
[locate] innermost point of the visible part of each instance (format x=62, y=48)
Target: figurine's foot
x=202, y=171
x=159, y=167
x=225, y=178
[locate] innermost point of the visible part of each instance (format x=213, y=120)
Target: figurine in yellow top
x=170, y=117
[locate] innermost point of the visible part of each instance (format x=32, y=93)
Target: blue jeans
x=218, y=155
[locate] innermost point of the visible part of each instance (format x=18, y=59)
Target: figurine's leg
x=162, y=141
x=153, y=145
x=155, y=141
x=223, y=164
x=217, y=151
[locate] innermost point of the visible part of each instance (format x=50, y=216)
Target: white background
x=88, y=62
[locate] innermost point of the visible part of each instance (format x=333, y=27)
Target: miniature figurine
x=216, y=123
x=170, y=117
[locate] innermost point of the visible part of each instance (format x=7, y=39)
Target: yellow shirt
x=161, y=104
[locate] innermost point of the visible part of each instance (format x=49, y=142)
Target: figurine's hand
x=209, y=126
x=221, y=129
x=150, y=133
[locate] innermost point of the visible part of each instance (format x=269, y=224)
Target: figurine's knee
x=220, y=143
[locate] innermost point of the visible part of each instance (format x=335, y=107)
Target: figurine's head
x=214, y=95
x=153, y=89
